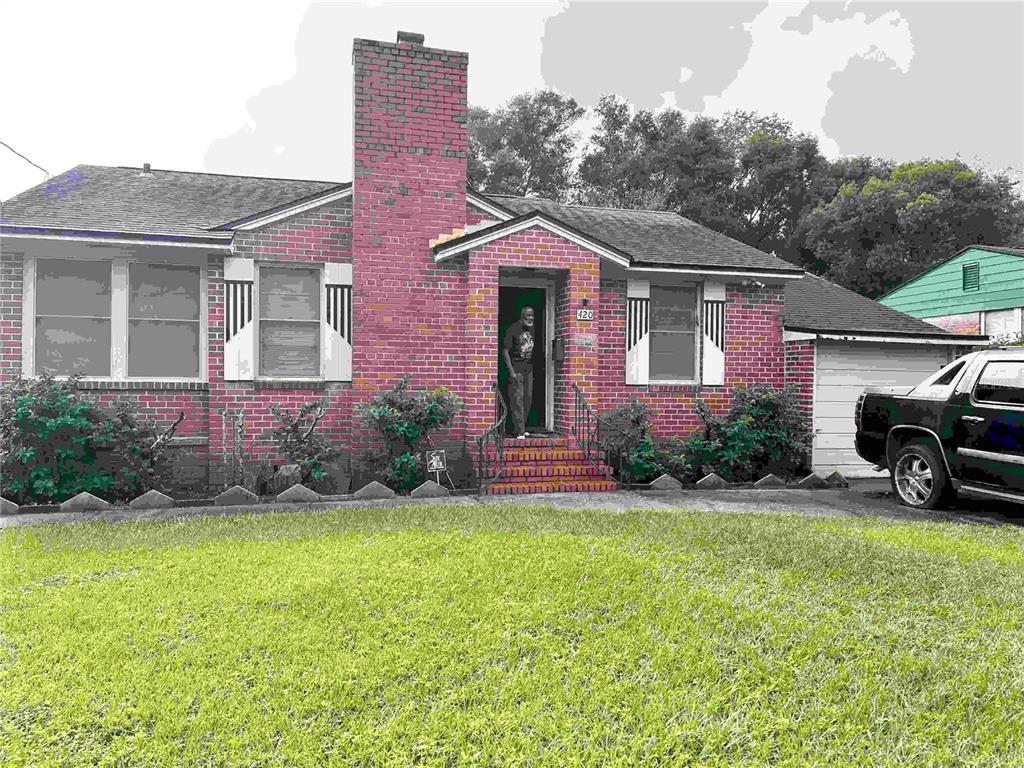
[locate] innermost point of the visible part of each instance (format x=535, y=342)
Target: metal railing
x=602, y=443
x=495, y=435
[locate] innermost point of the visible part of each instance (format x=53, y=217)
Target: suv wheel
x=919, y=478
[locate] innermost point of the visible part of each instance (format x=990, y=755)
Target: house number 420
x=584, y=314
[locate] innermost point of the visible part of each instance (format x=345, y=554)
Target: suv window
x=939, y=383
x=1001, y=382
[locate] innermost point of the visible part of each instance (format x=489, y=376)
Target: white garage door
x=842, y=370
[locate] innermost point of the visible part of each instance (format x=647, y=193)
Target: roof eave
x=501, y=229
x=117, y=237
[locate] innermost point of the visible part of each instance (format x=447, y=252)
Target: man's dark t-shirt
x=519, y=343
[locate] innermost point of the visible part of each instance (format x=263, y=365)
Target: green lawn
x=515, y=635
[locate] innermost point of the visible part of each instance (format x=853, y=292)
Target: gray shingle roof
x=653, y=237
x=119, y=199
x=815, y=304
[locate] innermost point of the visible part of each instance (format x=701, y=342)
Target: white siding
x=843, y=369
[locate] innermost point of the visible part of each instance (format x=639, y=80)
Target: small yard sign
x=436, y=461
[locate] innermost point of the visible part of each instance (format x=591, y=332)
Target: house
x=221, y=296
x=979, y=289
x=839, y=342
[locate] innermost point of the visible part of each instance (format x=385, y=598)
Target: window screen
x=163, y=321
x=1001, y=382
x=73, y=317
x=971, y=277
x=673, y=351
x=289, y=322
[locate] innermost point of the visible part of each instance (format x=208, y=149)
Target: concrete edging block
x=813, y=480
x=836, y=480
x=374, y=490
x=770, y=481
x=235, y=495
x=83, y=502
x=666, y=483
x=152, y=500
x=712, y=482
x=298, y=493
x=430, y=490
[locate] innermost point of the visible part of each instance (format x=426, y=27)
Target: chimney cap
x=146, y=170
x=416, y=38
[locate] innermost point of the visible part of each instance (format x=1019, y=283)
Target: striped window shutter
x=337, y=327
x=713, y=346
x=638, y=324
x=239, y=348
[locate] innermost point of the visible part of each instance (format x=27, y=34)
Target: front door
x=511, y=301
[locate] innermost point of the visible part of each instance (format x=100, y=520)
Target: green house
x=978, y=290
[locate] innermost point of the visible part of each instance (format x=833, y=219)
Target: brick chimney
x=409, y=143
x=409, y=187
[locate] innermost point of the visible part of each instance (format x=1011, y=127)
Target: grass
x=512, y=635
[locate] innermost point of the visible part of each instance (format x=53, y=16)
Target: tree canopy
x=866, y=223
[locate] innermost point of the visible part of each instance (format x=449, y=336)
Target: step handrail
x=586, y=429
x=495, y=435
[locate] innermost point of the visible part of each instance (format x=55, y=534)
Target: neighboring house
x=978, y=290
x=222, y=296
x=837, y=343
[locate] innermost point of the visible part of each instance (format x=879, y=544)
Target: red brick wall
x=580, y=272
x=409, y=187
x=800, y=360
x=753, y=352
x=11, y=276
x=968, y=322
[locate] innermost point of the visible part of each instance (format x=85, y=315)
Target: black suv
x=960, y=429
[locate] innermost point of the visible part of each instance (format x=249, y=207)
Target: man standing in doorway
x=518, y=352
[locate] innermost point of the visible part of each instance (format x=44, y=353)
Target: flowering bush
x=405, y=420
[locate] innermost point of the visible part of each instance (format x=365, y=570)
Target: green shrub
x=298, y=441
x=49, y=437
x=630, y=437
x=405, y=420
x=764, y=431
x=133, y=462
x=55, y=444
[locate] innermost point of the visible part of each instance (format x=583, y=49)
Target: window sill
x=137, y=384
x=291, y=384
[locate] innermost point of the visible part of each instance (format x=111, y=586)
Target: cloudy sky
x=265, y=88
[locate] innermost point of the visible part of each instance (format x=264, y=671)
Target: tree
x=874, y=236
x=524, y=147
x=775, y=182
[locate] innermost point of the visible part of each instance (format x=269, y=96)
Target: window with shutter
x=673, y=355
x=289, y=322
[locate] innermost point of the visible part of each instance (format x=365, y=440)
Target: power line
x=25, y=158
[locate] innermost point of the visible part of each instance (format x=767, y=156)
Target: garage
x=838, y=343
x=842, y=371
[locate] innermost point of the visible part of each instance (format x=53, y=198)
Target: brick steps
x=566, y=486
x=548, y=465
x=544, y=471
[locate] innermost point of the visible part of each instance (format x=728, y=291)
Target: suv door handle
x=972, y=419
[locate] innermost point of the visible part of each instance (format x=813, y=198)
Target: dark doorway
x=511, y=300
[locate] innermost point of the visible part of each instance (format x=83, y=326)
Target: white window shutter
x=337, y=322
x=713, y=341
x=638, y=324
x=239, y=341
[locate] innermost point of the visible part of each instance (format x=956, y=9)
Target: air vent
x=972, y=277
